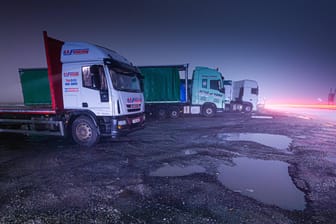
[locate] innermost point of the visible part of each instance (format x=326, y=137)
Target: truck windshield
x=124, y=80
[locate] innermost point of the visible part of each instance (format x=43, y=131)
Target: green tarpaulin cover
x=161, y=84
x=35, y=86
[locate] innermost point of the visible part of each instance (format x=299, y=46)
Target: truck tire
x=247, y=108
x=84, y=132
x=209, y=110
x=174, y=113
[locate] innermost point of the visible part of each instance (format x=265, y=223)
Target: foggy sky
x=288, y=46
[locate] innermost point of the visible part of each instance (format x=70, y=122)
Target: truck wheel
x=209, y=110
x=174, y=113
x=247, y=108
x=84, y=132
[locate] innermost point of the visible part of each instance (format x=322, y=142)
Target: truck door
x=252, y=96
x=94, y=94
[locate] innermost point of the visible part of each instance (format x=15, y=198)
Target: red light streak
x=312, y=106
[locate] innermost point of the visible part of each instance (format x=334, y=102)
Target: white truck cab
x=246, y=92
x=104, y=83
x=88, y=92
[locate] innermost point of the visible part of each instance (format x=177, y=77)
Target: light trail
x=311, y=106
x=324, y=112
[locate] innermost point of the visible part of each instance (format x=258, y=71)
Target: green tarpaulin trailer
x=164, y=91
x=161, y=84
x=169, y=92
x=35, y=86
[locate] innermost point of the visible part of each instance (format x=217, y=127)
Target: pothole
x=267, y=181
x=280, y=142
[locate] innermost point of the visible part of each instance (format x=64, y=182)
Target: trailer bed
x=24, y=109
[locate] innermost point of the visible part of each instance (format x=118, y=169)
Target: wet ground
x=268, y=168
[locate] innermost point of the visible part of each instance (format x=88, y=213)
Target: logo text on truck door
x=75, y=51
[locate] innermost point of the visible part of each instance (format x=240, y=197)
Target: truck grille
x=133, y=107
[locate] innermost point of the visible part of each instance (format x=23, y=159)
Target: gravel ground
x=50, y=180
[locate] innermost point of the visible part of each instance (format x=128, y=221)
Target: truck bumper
x=121, y=125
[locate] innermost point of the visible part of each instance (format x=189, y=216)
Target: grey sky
x=287, y=46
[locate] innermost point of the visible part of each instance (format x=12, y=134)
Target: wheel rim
x=208, y=111
x=83, y=132
x=174, y=113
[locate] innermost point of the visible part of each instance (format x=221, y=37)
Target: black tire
x=84, y=132
x=209, y=110
x=247, y=108
x=174, y=113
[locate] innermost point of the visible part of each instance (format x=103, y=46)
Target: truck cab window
x=124, y=80
x=254, y=91
x=214, y=84
x=94, y=77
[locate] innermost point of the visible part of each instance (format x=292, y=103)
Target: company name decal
x=71, y=81
x=71, y=89
x=71, y=74
x=207, y=93
x=75, y=51
x=134, y=100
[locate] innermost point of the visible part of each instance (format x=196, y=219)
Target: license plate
x=136, y=120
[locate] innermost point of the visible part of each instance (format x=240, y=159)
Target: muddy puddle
x=280, y=142
x=331, y=159
x=265, y=181
x=261, y=117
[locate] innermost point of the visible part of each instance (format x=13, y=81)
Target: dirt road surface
x=225, y=169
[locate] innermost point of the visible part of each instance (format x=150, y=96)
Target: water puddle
x=265, y=181
x=175, y=171
x=331, y=159
x=261, y=117
x=189, y=152
x=304, y=117
x=281, y=142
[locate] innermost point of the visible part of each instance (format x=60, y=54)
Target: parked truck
x=87, y=92
x=169, y=92
x=241, y=95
